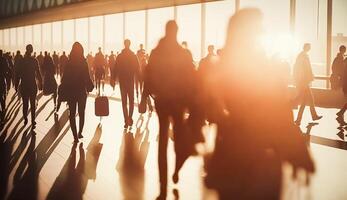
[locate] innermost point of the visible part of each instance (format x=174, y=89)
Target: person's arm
x=89, y=83
x=137, y=74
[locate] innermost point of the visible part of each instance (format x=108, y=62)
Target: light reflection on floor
x=112, y=164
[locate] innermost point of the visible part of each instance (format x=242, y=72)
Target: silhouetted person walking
x=55, y=58
x=170, y=78
x=49, y=82
x=17, y=62
x=62, y=63
x=339, y=69
x=28, y=77
x=4, y=70
x=40, y=59
x=75, y=92
x=256, y=133
x=99, y=69
x=303, y=77
x=127, y=72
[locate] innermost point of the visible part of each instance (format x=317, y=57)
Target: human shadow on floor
x=132, y=159
x=25, y=185
x=341, y=128
x=42, y=152
x=6, y=148
x=72, y=181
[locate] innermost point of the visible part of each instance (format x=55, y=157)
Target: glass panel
x=13, y=40
x=57, y=36
x=217, y=18
x=277, y=38
x=189, y=28
x=96, y=33
x=20, y=39
x=135, y=28
x=157, y=19
x=68, y=35
x=114, y=33
x=7, y=39
x=47, y=37
x=28, y=31
x=312, y=28
x=82, y=33
x=339, y=25
x=37, y=38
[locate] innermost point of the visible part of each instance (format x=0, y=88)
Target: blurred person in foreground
x=255, y=133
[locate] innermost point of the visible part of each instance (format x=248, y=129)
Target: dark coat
x=76, y=81
x=127, y=67
x=29, y=77
x=4, y=71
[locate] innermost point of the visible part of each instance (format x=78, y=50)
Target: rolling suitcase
x=101, y=106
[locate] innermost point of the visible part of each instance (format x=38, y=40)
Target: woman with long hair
x=75, y=85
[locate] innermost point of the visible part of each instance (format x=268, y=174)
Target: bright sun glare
x=282, y=45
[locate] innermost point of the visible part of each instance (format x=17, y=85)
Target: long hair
x=77, y=52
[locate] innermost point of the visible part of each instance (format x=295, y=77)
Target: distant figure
x=90, y=61
x=185, y=46
x=62, y=63
x=28, y=77
x=9, y=75
x=49, y=82
x=303, y=77
x=75, y=92
x=339, y=69
x=17, y=60
x=207, y=74
x=4, y=70
x=111, y=64
x=170, y=77
x=143, y=58
x=127, y=72
x=55, y=58
x=99, y=70
x=40, y=58
x=256, y=133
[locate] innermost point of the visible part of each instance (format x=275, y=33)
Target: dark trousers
x=32, y=99
x=167, y=111
x=127, y=92
x=81, y=103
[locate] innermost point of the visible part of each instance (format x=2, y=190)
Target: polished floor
x=110, y=163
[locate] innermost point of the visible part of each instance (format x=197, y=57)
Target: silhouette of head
x=141, y=46
x=127, y=43
x=111, y=52
x=46, y=53
x=307, y=47
x=77, y=52
x=99, y=49
x=18, y=52
x=64, y=53
x=210, y=49
x=29, y=49
x=185, y=44
x=342, y=49
x=171, y=29
x=53, y=52
x=244, y=30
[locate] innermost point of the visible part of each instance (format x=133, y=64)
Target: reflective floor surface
x=110, y=163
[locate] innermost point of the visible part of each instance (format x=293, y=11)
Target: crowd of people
x=249, y=103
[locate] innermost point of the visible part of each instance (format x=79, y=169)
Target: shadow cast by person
x=93, y=154
x=6, y=158
x=341, y=128
x=71, y=183
x=25, y=185
x=130, y=166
